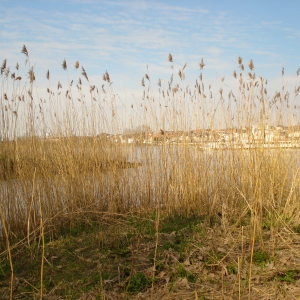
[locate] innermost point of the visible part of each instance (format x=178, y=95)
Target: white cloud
x=214, y=50
x=125, y=36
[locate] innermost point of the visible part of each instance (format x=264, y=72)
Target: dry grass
x=246, y=201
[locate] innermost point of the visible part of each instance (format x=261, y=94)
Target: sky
x=129, y=38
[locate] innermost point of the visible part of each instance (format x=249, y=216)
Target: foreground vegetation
x=85, y=218
x=134, y=257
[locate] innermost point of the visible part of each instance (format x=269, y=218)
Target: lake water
x=176, y=168
x=167, y=174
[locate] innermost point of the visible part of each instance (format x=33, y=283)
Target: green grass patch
x=179, y=222
x=213, y=258
x=143, y=225
x=4, y=269
x=261, y=257
x=138, y=282
x=289, y=276
x=184, y=273
x=232, y=269
x=296, y=229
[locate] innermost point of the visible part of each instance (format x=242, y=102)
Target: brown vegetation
x=84, y=217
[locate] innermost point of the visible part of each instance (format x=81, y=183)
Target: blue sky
x=126, y=37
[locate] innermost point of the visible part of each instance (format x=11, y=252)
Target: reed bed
x=60, y=163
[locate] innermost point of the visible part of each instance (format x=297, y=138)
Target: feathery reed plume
x=147, y=77
x=3, y=66
x=181, y=74
x=64, y=64
x=24, y=50
x=175, y=89
x=84, y=73
x=48, y=75
x=240, y=60
x=251, y=65
x=76, y=65
x=92, y=87
x=31, y=75
x=143, y=82
x=221, y=92
x=106, y=77
x=170, y=57
x=6, y=72
x=17, y=66
x=202, y=64
x=59, y=86
x=30, y=94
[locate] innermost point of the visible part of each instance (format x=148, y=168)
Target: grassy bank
x=133, y=256
x=83, y=217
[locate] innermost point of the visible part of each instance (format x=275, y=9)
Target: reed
x=60, y=162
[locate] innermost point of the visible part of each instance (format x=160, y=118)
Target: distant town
x=266, y=137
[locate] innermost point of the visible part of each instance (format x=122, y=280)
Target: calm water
x=163, y=170
x=173, y=164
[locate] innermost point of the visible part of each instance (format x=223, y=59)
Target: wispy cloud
x=124, y=36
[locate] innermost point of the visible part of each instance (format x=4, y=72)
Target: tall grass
x=58, y=164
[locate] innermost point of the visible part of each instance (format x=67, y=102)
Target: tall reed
x=71, y=165
x=61, y=157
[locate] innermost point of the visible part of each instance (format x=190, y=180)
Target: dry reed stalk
x=157, y=224
x=31, y=213
x=252, y=245
x=42, y=236
x=9, y=252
